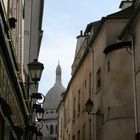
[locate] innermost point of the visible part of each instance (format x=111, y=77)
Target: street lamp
x=36, y=97
x=34, y=130
x=89, y=105
x=35, y=69
x=39, y=126
x=39, y=135
x=39, y=97
x=39, y=113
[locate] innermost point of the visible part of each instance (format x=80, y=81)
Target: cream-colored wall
x=81, y=118
x=136, y=42
x=73, y=125
x=114, y=98
x=113, y=30
x=118, y=96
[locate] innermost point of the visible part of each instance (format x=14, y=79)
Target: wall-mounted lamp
x=12, y=22
x=39, y=113
x=35, y=69
x=38, y=97
x=35, y=130
x=89, y=105
x=35, y=106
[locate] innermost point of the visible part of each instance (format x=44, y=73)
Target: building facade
x=106, y=71
x=16, y=51
x=131, y=33
x=52, y=100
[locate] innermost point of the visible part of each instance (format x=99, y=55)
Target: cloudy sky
x=62, y=22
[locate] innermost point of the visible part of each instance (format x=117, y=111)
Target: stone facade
x=103, y=70
x=131, y=33
x=14, y=93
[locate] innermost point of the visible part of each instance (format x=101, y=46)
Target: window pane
x=51, y=129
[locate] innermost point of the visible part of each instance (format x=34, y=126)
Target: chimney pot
x=81, y=33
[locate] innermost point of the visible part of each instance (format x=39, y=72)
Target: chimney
x=80, y=40
x=125, y=4
x=81, y=34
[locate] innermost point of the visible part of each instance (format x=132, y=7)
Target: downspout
x=91, y=95
x=132, y=52
x=91, y=63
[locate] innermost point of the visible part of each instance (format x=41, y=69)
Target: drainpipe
x=132, y=52
x=91, y=95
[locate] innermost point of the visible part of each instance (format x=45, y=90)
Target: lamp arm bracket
x=97, y=114
x=29, y=83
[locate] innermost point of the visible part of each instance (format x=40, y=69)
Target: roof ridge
x=125, y=13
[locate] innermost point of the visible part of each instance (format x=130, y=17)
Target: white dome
x=53, y=96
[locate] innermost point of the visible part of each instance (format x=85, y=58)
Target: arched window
x=47, y=127
x=47, y=111
x=51, y=129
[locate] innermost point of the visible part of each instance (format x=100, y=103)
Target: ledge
x=116, y=46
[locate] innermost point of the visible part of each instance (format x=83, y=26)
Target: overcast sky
x=62, y=22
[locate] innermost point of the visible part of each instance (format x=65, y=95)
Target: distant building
x=52, y=100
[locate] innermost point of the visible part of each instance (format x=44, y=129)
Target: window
x=47, y=112
x=51, y=129
x=108, y=66
x=78, y=107
x=90, y=129
x=82, y=97
x=98, y=79
x=65, y=116
x=83, y=132
x=78, y=135
x=47, y=127
x=90, y=84
x=85, y=84
x=61, y=127
x=73, y=137
x=73, y=108
x=51, y=111
x=68, y=111
x=98, y=125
